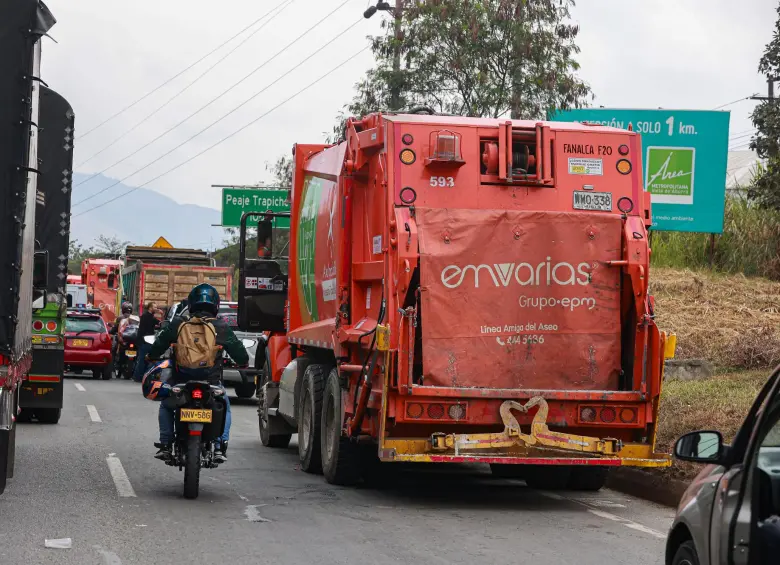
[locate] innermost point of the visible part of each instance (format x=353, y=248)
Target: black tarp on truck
x=22, y=24
x=41, y=394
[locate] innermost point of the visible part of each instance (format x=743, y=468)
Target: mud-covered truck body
x=41, y=394
x=465, y=290
x=166, y=275
x=22, y=24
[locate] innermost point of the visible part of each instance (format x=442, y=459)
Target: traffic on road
x=436, y=338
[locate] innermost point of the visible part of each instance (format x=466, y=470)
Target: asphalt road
x=260, y=508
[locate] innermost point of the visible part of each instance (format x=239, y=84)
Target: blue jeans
x=166, y=420
x=140, y=361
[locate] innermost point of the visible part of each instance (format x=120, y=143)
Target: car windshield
x=85, y=325
x=230, y=315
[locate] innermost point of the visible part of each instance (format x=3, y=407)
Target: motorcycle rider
x=203, y=302
x=127, y=310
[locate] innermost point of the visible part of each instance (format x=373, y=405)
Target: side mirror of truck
x=41, y=271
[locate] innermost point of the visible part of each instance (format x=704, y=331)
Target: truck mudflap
x=542, y=446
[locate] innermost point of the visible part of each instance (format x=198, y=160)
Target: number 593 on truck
x=461, y=290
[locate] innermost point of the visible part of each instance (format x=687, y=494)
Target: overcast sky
x=696, y=54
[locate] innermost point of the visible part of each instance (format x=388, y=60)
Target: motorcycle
x=199, y=420
x=128, y=363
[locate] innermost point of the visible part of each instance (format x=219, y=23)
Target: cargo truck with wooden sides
x=461, y=290
x=166, y=275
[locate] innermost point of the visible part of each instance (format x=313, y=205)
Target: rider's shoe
x=220, y=453
x=165, y=451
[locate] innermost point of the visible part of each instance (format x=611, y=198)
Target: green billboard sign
x=236, y=201
x=684, y=159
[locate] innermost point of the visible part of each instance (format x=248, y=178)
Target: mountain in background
x=141, y=217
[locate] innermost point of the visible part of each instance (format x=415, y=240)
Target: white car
x=228, y=311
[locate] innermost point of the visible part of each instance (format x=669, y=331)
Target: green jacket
x=225, y=337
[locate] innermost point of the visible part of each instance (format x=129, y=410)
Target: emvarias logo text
x=546, y=273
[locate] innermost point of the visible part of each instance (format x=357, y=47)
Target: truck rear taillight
x=623, y=149
x=608, y=414
x=436, y=411
x=38, y=325
x=51, y=326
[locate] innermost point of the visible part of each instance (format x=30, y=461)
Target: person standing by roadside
x=147, y=326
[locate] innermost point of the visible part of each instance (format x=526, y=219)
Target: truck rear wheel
x=505, y=471
x=48, y=415
x=547, y=477
x=310, y=421
x=340, y=455
x=588, y=478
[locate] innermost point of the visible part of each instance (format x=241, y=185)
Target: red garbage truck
x=460, y=290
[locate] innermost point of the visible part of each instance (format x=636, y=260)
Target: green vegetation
x=719, y=403
x=750, y=243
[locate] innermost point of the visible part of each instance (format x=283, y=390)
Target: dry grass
x=719, y=403
x=730, y=320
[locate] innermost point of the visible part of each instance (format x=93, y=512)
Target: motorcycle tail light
x=197, y=394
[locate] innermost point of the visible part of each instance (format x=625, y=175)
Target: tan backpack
x=196, y=344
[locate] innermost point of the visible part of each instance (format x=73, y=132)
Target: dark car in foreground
x=730, y=514
x=87, y=343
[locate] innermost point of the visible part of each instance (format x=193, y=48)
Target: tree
x=486, y=58
x=112, y=246
x=77, y=253
x=282, y=170
x=766, y=142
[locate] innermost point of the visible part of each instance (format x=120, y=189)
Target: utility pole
x=397, y=12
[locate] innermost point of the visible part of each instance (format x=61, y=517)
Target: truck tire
x=268, y=440
x=505, y=471
x=310, y=422
x=588, y=478
x=547, y=477
x=245, y=390
x=340, y=455
x=48, y=415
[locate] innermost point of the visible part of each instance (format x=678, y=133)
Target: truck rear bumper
x=540, y=446
x=659, y=459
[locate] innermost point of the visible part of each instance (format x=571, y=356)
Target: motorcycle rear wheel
x=192, y=467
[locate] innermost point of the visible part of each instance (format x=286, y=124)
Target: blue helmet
x=204, y=298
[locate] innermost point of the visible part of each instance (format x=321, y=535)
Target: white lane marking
x=253, y=515
x=600, y=503
x=80, y=387
x=242, y=497
x=109, y=557
x=609, y=516
x=93, y=413
x=645, y=529
x=606, y=515
x=122, y=483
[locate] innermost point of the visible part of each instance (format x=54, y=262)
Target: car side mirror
x=700, y=447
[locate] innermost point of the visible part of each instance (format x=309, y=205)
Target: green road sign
x=684, y=159
x=236, y=201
